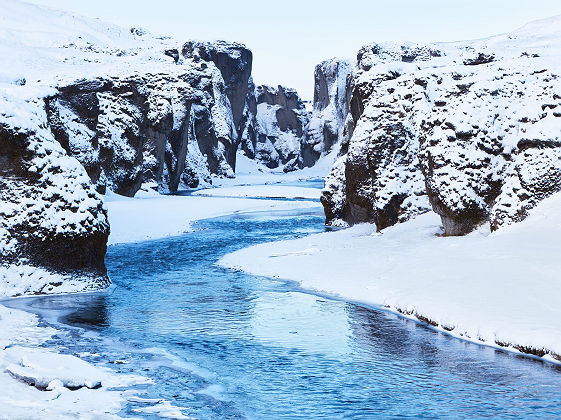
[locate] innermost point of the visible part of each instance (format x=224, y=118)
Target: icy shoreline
x=59, y=385
x=135, y=220
x=39, y=383
x=495, y=289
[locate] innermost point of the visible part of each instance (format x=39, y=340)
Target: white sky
x=289, y=37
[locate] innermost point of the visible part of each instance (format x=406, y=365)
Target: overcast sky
x=289, y=37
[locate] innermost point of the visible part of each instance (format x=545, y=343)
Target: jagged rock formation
x=248, y=139
x=279, y=132
x=377, y=178
x=172, y=130
x=168, y=130
x=330, y=108
x=235, y=63
x=472, y=127
x=280, y=126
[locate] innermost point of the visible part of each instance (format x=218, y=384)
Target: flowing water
x=225, y=344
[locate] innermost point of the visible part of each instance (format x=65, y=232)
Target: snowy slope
x=46, y=46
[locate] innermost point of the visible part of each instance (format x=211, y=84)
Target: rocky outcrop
x=51, y=218
x=279, y=127
x=470, y=129
x=496, y=161
x=377, y=178
x=169, y=130
x=173, y=130
x=328, y=120
x=234, y=61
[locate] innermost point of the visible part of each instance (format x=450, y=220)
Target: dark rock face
x=169, y=130
x=234, y=62
x=280, y=127
x=332, y=80
x=440, y=133
x=51, y=217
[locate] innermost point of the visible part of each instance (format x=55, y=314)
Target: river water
x=224, y=344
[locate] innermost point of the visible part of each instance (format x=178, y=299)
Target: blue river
x=226, y=345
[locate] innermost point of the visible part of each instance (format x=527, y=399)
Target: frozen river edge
x=494, y=289
x=301, y=261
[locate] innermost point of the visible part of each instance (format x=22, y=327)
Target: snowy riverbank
x=500, y=289
x=38, y=383
x=262, y=191
x=134, y=220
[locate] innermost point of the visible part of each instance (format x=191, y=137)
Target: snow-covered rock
x=234, y=61
x=133, y=108
x=473, y=128
x=280, y=126
x=51, y=218
x=330, y=108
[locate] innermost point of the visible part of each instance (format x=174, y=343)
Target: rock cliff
x=280, y=127
x=51, y=218
x=88, y=107
x=330, y=112
x=470, y=130
x=169, y=130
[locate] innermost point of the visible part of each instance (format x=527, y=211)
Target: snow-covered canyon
x=88, y=108
x=468, y=129
x=446, y=157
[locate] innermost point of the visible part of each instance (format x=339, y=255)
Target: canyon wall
x=102, y=108
x=168, y=130
x=330, y=119
x=51, y=218
x=471, y=131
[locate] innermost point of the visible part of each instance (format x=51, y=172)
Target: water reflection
x=301, y=321
x=93, y=313
x=89, y=310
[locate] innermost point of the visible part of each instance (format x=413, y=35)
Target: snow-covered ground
x=250, y=172
x=48, y=46
x=36, y=383
x=134, y=220
x=262, y=191
x=499, y=289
